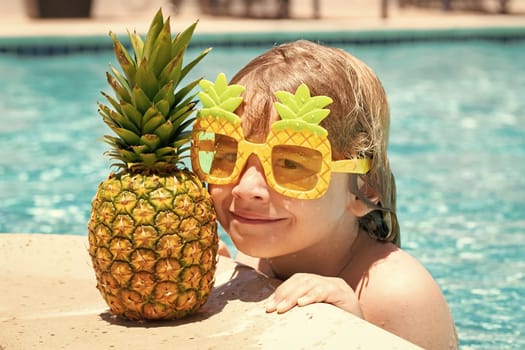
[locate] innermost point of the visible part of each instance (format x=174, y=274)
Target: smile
x=254, y=219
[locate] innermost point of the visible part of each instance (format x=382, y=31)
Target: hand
x=305, y=288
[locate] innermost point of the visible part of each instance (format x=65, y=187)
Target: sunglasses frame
x=263, y=151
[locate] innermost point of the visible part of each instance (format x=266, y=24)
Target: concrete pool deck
x=48, y=295
x=49, y=301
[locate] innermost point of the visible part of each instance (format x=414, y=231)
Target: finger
x=271, y=304
x=307, y=300
x=285, y=305
x=303, y=297
x=280, y=305
x=280, y=301
x=286, y=295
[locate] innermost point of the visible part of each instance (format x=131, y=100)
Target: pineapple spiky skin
x=152, y=231
x=153, y=241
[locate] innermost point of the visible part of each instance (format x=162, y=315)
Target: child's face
x=264, y=223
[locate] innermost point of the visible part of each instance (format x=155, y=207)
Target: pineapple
x=152, y=231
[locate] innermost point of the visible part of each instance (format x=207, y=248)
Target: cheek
x=212, y=189
x=339, y=189
x=336, y=200
x=221, y=196
x=219, y=193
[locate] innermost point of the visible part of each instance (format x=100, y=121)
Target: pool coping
x=62, y=44
x=50, y=301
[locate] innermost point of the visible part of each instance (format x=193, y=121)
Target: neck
x=333, y=259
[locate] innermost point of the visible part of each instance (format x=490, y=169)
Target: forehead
x=257, y=115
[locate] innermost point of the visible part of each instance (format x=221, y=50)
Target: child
x=331, y=236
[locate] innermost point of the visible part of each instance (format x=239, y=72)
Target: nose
x=252, y=182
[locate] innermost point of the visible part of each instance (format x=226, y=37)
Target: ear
x=362, y=204
x=359, y=207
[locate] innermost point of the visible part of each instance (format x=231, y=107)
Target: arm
x=396, y=294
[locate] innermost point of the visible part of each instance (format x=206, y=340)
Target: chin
x=253, y=249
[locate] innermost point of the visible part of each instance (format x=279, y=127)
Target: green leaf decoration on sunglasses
x=219, y=99
x=301, y=111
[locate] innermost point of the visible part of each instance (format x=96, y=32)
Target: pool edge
x=61, y=44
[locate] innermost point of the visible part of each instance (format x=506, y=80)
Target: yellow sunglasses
x=296, y=156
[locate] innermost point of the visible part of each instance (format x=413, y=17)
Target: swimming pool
x=457, y=148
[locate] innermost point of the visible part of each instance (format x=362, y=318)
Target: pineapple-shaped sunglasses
x=296, y=156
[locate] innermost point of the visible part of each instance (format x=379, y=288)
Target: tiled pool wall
x=59, y=45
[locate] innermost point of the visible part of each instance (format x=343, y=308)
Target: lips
x=253, y=218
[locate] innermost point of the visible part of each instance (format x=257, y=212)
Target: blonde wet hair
x=358, y=124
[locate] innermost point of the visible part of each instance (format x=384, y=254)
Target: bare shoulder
x=401, y=272
x=397, y=293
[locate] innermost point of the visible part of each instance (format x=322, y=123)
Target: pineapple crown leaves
x=150, y=113
x=301, y=111
x=219, y=99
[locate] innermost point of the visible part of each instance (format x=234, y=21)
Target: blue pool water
x=457, y=148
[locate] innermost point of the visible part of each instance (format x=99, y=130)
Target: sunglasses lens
x=297, y=168
x=294, y=167
x=217, y=154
